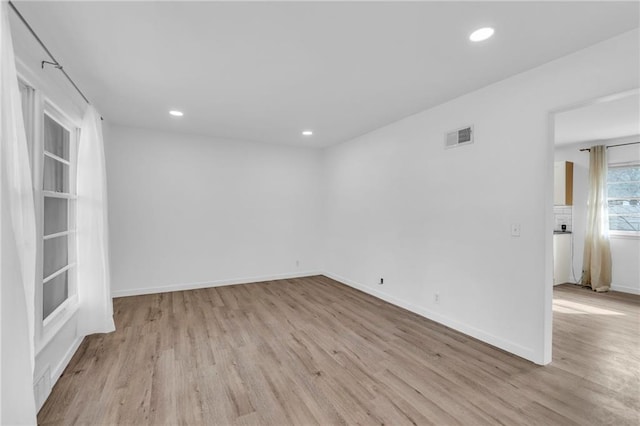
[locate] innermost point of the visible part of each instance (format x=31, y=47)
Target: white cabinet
x=561, y=258
x=563, y=183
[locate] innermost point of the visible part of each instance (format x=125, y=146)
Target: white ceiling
x=265, y=71
x=601, y=121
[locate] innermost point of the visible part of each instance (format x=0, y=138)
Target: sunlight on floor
x=567, y=307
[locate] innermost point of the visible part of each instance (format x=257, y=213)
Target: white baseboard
x=206, y=284
x=624, y=289
x=618, y=288
x=479, y=334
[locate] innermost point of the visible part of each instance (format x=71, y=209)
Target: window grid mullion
x=56, y=158
x=54, y=194
x=58, y=272
x=59, y=234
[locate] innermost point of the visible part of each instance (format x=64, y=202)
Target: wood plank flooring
x=311, y=351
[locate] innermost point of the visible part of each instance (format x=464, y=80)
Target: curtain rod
x=611, y=146
x=55, y=62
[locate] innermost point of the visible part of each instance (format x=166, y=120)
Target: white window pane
x=624, y=174
x=55, y=215
x=623, y=189
x=56, y=138
x=54, y=293
x=624, y=223
x=55, y=255
x=624, y=207
x=56, y=176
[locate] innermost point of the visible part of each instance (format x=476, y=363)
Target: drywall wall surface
x=435, y=223
x=625, y=255
x=188, y=212
x=625, y=250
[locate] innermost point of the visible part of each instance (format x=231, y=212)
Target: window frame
x=620, y=233
x=38, y=105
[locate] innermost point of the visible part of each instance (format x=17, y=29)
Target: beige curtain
x=597, y=253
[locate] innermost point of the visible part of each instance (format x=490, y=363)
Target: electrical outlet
x=436, y=297
x=297, y=263
x=381, y=281
x=515, y=229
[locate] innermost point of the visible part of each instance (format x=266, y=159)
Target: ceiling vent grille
x=463, y=136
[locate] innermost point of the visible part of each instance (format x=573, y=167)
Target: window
x=58, y=211
x=623, y=187
x=52, y=139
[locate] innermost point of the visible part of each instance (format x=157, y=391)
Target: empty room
x=319, y=213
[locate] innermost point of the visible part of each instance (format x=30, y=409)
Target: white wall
x=430, y=220
x=625, y=251
x=188, y=211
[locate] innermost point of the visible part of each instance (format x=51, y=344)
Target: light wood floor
x=312, y=351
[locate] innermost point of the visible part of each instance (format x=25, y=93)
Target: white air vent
x=463, y=136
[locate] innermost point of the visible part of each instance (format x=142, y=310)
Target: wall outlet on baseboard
x=297, y=263
x=381, y=281
x=436, y=297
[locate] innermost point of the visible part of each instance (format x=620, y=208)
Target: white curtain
x=94, y=284
x=18, y=247
x=596, y=267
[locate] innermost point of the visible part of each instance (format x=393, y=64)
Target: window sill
x=52, y=325
x=625, y=235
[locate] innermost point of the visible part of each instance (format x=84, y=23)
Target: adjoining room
x=596, y=267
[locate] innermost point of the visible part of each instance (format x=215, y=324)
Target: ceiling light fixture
x=307, y=133
x=481, y=34
x=176, y=113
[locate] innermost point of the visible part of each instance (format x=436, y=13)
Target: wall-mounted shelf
x=563, y=183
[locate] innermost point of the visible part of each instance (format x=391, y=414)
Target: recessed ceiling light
x=481, y=34
x=307, y=133
x=176, y=113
